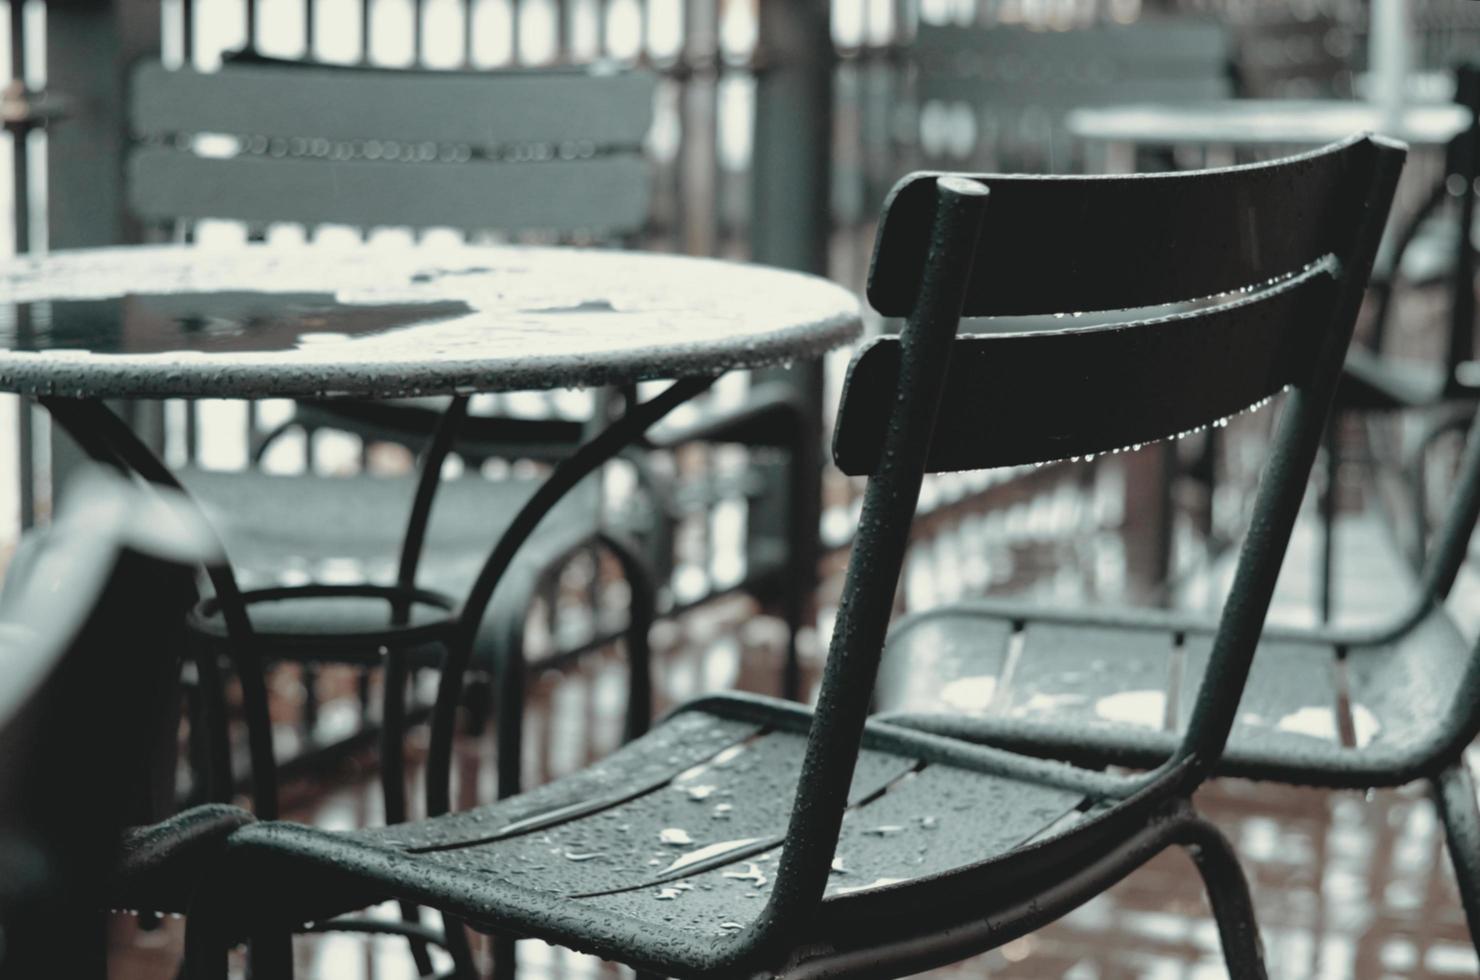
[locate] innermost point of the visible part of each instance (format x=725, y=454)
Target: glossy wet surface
x=262, y=321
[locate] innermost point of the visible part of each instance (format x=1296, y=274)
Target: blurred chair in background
x=558, y=152
x=91, y=623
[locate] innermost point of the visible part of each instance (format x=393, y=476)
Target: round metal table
x=268, y=322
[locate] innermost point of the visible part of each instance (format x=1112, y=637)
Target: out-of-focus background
x=779, y=126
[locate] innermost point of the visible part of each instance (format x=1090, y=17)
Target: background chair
x=1435, y=246
x=558, y=152
x=90, y=624
x=1348, y=709
x=899, y=850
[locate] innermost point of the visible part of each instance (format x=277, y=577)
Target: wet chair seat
x=1118, y=687
x=675, y=838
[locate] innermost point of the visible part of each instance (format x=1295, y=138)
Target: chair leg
x=508, y=695
x=215, y=736
x=1454, y=795
x=271, y=955
x=1228, y=892
x=393, y=778
x=205, y=947
x=1329, y=498
x=643, y=609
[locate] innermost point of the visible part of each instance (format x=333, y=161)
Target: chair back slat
x=481, y=109
x=1017, y=398
x=1089, y=243
x=601, y=193
x=1102, y=53
x=558, y=150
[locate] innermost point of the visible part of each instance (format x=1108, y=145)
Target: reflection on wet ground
x=1347, y=885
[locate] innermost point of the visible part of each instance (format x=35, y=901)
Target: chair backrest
x=88, y=648
x=1018, y=84
x=955, y=244
x=262, y=141
x=1090, y=244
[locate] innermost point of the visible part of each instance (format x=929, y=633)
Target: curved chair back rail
x=89, y=644
x=556, y=150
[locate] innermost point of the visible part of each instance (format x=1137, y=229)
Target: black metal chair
x=91, y=623
x=555, y=151
x=749, y=835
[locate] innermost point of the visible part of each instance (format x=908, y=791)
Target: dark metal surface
x=461, y=319
x=117, y=563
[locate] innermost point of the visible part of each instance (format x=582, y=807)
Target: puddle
x=969, y=694
x=1145, y=709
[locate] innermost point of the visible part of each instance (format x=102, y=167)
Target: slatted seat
x=746, y=836
x=677, y=835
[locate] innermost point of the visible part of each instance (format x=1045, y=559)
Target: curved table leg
x=592, y=454
x=567, y=473
x=393, y=707
x=105, y=437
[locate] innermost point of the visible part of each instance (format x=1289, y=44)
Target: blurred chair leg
x=1330, y=494
x=215, y=732
x=1454, y=794
x=393, y=777
x=309, y=717
x=508, y=694
x=206, y=945
x=1228, y=892
x=271, y=955
x=641, y=614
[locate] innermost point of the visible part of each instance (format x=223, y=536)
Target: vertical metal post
x=790, y=226
x=20, y=134
x=90, y=45
x=792, y=166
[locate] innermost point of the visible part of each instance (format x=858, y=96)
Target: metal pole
x=90, y=45
x=791, y=179
x=21, y=203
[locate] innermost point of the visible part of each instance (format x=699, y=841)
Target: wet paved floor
x=1346, y=885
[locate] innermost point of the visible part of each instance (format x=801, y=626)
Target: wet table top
x=1266, y=122
x=370, y=322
